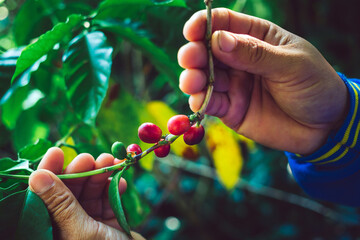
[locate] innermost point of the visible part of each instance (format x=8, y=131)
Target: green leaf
x=115, y=202
x=44, y=78
x=8, y=165
x=29, y=128
x=12, y=105
x=178, y=3
x=44, y=44
x=88, y=61
x=16, y=187
x=122, y=9
x=155, y=54
x=131, y=200
x=24, y=216
x=8, y=64
x=35, y=151
x=20, y=97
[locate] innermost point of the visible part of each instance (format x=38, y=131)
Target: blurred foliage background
x=228, y=187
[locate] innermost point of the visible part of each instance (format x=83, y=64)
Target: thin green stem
x=95, y=172
x=170, y=138
x=62, y=141
x=75, y=175
x=13, y=176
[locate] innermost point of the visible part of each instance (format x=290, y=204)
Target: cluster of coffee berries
x=193, y=133
x=177, y=125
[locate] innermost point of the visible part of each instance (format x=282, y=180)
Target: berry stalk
x=170, y=138
x=210, y=88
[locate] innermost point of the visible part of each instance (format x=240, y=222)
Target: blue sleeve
x=332, y=173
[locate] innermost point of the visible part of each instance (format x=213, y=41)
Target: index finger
x=53, y=160
x=226, y=19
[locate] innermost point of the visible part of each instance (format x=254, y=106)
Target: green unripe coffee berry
x=118, y=150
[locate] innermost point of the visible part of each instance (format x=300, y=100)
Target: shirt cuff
x=342, y=145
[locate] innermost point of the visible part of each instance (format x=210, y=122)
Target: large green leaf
x=156, y=55
x=19, y=96
x=12, y=105
x=8, y=64
x=115, y=202
x=88, y=61
x=8, y=165
x=35, y=151
x=44, y=78
x=29, y=128
x=129, y=8
x=138, y=209
x=33, y=18
x=24, y=216
x=44, y=44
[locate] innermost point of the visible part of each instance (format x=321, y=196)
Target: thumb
x=247, y=53
x=70, y=221
x=66, y=212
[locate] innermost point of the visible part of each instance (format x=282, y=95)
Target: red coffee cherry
x=194, y=135
x=162, y=151
x=134, y=148
x=149, y=133
x=178, y=124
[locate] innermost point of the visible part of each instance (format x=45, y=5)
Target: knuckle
x=61, y=205
x=256, y=51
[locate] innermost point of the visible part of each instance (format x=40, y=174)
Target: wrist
x=339, y=138
x=338, y=106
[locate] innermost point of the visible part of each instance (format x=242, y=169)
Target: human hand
x=270, y=85
x=80, y=209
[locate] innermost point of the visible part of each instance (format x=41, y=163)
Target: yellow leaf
x=248, y=142
x=226, y=153
x=146, y=162
x=69, y=153
x=161, y=113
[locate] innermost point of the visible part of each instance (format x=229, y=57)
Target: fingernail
x=41, y=182
x=227, y=42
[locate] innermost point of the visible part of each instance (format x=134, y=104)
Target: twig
x=74, y=175
x=210, y=87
